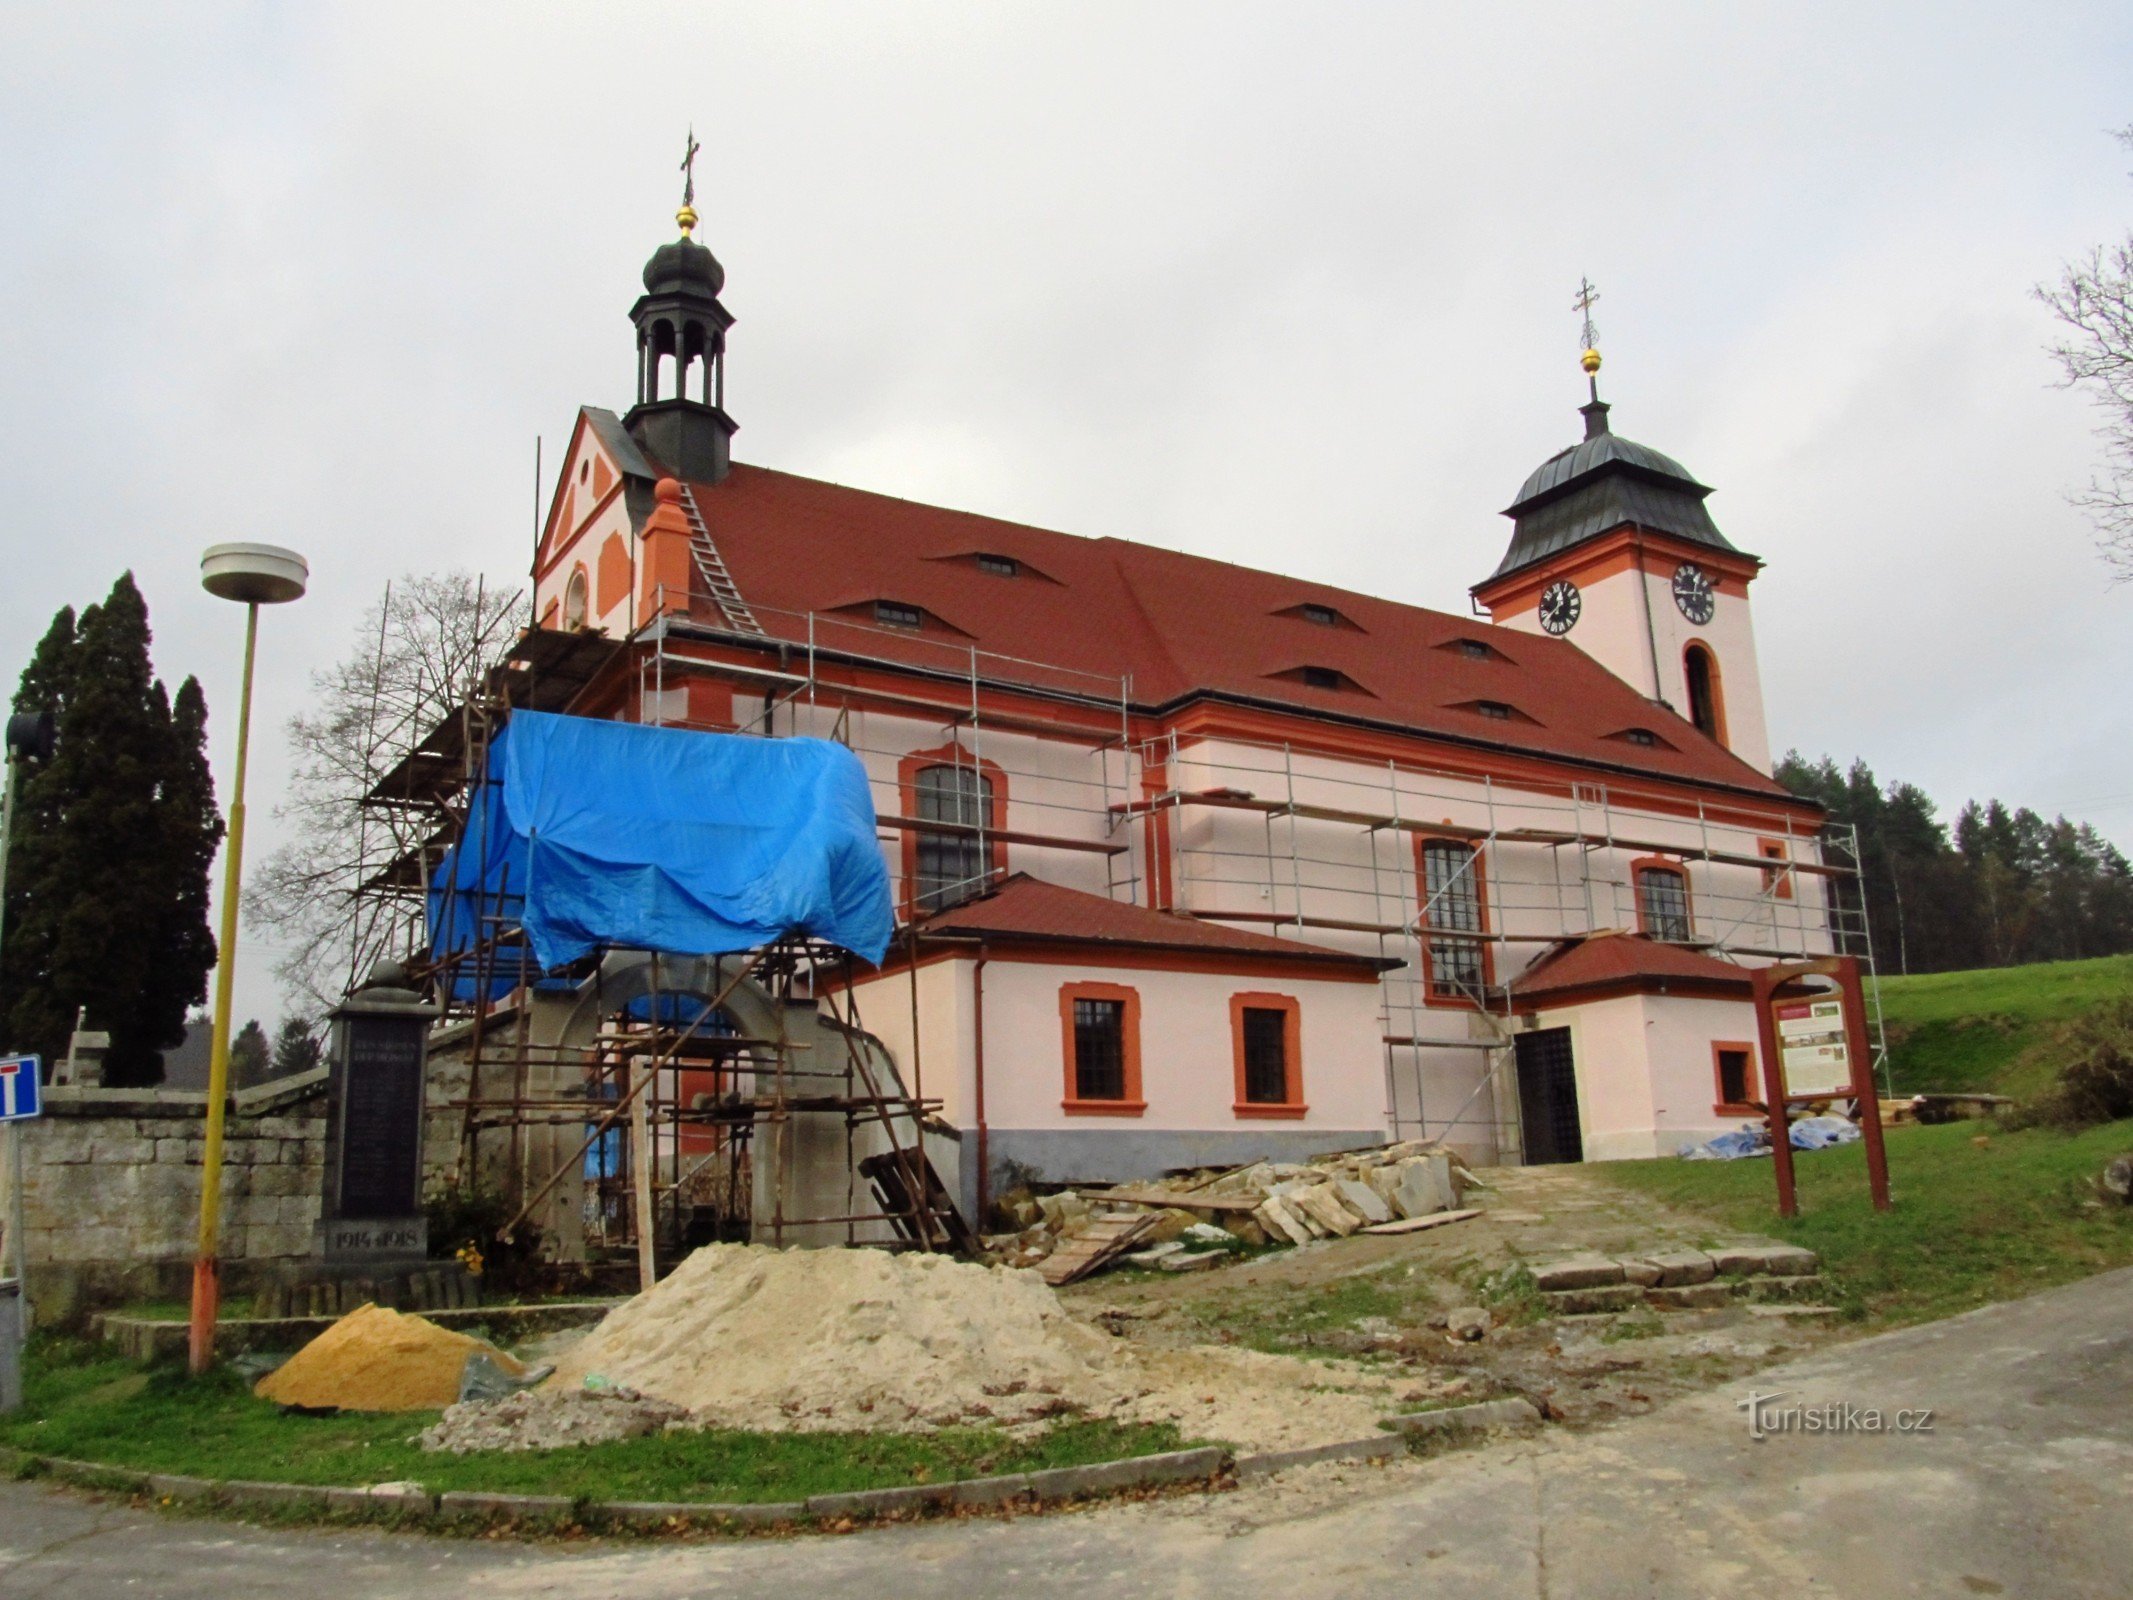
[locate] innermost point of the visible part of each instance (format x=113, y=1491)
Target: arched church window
x=1706, y=710
x=950, y=863
x=574, y=600
x=1663, y=904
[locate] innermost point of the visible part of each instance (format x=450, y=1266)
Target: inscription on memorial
x=381, y=1118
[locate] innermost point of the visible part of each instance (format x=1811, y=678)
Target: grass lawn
x=1989, y=1030
x=83, y=1404
x=1972, y=1223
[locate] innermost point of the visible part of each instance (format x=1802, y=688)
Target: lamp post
x=255, y=575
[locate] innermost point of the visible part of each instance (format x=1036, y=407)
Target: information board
x=1813, y=1048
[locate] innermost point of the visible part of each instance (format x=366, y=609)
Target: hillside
x=1987, y=1030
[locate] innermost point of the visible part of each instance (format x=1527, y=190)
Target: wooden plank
x=1047, y=841
x=1100, y=1239
x=1436, y=1219
x=1183, y=1202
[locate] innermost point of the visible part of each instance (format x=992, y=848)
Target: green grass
x=1971, y=1223
x=82, y=1404
x=1989, y=1031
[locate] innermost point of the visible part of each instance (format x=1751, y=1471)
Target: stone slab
x=1511, y=1413
x=1360, y=1197
x=1679, y=1267
x=1765, y=1260
x=1584, y=1302
x=1578, y=1272
x=1321, y=1205
x=1693, y=1296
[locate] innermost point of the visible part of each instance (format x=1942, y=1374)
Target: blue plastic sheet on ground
x=1809, y=1133
x=592, y=835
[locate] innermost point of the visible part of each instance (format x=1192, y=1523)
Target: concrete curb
x=1060, y=1483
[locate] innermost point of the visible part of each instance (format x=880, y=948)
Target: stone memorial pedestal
x=371, y=1223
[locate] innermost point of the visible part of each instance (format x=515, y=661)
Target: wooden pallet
x=1095, y=1242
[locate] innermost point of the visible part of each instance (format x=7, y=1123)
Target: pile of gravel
x=550, y=1420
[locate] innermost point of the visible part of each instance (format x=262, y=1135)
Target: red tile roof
x=1625, y=963
x=1178, y=625
x=1023, y=907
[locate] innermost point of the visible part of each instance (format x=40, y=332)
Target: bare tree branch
x=2094, y=299
x=417, y=652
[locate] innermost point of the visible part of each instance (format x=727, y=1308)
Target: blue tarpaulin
x=611, y=834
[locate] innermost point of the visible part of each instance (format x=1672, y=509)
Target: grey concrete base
x=1123, y=1152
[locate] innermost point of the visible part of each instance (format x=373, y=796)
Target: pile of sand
x=748, y=1337
x=377, y=1360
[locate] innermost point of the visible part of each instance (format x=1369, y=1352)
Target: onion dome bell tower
x=679, y=417
x=1613, y=549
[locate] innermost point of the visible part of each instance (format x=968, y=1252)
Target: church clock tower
x=1613, y=549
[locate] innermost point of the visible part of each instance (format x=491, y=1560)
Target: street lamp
x=256, y=575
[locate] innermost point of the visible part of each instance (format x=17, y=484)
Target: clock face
x=1560, y=605
x=1692, y=592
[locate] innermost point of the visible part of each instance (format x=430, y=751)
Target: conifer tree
x=108, y=879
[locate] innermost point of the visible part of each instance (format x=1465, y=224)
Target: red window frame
x=1720, y=1105
x=1680, y=869
x=1131, y=1104
x=907, y=771
x=1291, y=1104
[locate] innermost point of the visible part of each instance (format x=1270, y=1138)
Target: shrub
x=2096, y=1071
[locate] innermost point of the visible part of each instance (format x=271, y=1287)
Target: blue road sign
x=21, y=1085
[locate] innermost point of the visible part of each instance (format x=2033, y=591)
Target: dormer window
x=1494, y=710
x=1474, y=650
x=896, y=614
x=1321, y=678
x=1643, y=736
x=999, y=566
x=1324, y=616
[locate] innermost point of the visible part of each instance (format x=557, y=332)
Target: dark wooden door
x=1548, y=1097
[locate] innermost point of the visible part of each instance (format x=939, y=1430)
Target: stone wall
x=111, y=1182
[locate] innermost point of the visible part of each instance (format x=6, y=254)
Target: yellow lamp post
x=255, y=575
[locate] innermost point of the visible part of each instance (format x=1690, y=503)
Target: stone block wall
x=111, y=1181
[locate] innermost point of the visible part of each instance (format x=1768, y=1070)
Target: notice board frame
x=1780, y=983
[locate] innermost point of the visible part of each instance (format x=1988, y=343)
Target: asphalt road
x=2022, y=1485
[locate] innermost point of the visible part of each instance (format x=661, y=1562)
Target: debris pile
x=550, y=1421
x=1266, y=1203
x=748, y=1337
x=379, y=1360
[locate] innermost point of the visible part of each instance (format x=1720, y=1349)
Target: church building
x=1196, y=863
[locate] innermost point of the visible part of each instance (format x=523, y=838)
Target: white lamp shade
x=260, y=574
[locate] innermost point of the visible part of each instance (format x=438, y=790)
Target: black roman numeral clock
x=1560, y=604
x=1692, y=593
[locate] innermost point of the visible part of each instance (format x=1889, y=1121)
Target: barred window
x=950, y=865
x=1099, y=1049
x=1266, y=1056
x=1663, y=904
x=1451, y=905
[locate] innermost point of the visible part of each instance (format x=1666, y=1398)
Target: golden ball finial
x=686, y=216
x=1590, y=361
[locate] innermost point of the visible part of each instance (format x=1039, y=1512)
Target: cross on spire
x=1589, y=359
x=688, y=169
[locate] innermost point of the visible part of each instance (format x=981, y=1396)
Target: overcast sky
x=1288, y=285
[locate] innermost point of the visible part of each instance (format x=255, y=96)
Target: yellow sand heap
x=377, y=1360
